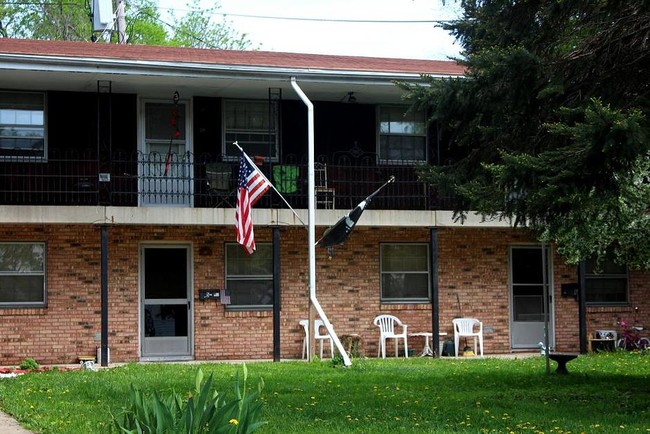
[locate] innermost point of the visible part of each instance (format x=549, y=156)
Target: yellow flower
x=234, y=421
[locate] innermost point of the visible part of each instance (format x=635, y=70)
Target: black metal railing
x=185, y=180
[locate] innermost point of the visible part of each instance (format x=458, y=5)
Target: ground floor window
x=249, y=278
x=22, y=274
x=405, y=273
x=605, y=283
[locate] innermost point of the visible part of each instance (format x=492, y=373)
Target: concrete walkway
x=8, y=425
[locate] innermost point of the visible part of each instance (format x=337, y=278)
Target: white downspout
x=311, y=214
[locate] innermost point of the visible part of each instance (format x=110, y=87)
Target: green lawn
x=606, y=393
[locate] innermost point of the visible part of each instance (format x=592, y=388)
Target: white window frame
x=17, y=273
x=403, y=300
x=27, y=158
x=230, y=134
x=163, y=143
x=383, y=159
x=591, y=276
x=231, y=247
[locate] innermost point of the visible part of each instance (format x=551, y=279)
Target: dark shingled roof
x=70, y=49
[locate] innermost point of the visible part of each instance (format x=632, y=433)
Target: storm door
x=165, y=157
x=166, y=302
x=527, y=296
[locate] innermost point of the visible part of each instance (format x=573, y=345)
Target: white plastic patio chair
x=317, y=336
x=468, y=328
x=386, y=324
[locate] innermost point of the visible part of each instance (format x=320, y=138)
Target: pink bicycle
x=632, y=339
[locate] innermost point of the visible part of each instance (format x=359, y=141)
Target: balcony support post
x=104, y=296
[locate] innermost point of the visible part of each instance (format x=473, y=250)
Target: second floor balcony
x=198, y=181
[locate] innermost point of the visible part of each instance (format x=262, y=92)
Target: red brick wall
x=473, y=271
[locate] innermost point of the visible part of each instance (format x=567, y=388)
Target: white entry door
x=165, y=163
x=527, y=296
x=166, y=302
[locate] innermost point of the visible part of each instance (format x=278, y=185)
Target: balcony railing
x=187, y=181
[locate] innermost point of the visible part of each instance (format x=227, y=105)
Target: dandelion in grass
x=233, y=421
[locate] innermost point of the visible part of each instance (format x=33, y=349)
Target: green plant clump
x=206, y=411
x=29, y=364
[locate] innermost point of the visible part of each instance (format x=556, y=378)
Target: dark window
x=402, y=135
x=249, y=278
x=253, y=125
x=22, y=274
x=607, y=283
x=405, y=273
x=22, y=125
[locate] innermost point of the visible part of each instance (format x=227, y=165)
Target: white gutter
x=32, y=62
x=311, y=224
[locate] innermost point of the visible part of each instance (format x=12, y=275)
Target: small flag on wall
x=252, y=185
x=225, y=296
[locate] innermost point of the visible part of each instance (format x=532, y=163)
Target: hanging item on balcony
x=340, y=231
x=176, y=132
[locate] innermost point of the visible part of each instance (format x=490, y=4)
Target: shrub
x=204, y=412
x=29, y=363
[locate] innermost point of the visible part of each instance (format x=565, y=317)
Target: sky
x=376, y=28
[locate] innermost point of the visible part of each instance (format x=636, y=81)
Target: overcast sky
x=382, y=28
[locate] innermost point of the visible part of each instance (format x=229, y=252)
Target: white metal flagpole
x=312, y=224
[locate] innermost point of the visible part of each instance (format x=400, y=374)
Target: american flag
x=225, y=296
x=252, y=185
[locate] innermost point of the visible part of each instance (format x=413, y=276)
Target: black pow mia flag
x=340, y=231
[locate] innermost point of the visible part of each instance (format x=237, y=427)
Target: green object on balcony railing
x=285, y=178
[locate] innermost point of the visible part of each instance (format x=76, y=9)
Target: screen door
x=166, y=303
x=527, y=296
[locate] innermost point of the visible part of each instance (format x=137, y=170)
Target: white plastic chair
x=317, y=335
x=386, y=324
x=465, y=328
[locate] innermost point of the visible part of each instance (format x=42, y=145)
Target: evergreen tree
x=549, y=127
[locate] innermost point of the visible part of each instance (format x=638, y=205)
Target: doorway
x=527, y=296
x=165, y=163
x=166, y=302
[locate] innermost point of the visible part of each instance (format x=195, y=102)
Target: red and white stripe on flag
x=252, y=186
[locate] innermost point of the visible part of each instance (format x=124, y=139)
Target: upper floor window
x=249, y=278
x=607, y=283
x=253, y=125
x=402, y=134
x=22, y=274
x=405, y=273
x=22, y=125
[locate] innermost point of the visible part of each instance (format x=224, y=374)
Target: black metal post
x=276, y=294
x=582, y=307
x=104, y=296
x=435, y=313
x=104, y=140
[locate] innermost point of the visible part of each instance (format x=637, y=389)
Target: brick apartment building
x=117, y=195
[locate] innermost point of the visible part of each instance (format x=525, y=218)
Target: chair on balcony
x=325, y=194
x=468, y=328
x=386, y=324
x=219, y=182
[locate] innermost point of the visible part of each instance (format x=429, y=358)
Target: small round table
x=426, y=351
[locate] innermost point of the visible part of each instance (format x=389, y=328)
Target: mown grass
x=606, y=393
